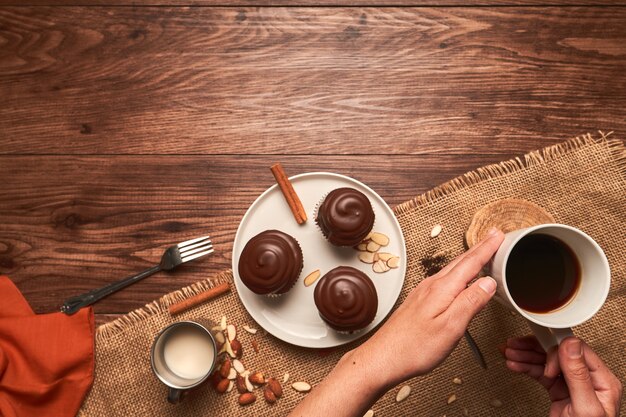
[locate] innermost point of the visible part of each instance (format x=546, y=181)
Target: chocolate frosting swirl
x=345, y=217
x=346, y=299
x=270, y=263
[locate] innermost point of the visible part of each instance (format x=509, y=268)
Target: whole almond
x=257, y=378
x=236, y=349
x=301, y=386
x=222, y=386
x=379, y=239
x=247, y=398
x=241, y=384
x=232, y=332
x=269, y=395
x=225, y=368
x=215, y=378
x=275, y=386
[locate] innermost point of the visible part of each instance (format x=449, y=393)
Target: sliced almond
x=362, y=246
x=380, y=266
x=301, y=386
x=231, y=384
x=223, y=323
x=385, y=256
x=457, y=381
x=367, y=257
x=311, y=278
x=217, y=328
x=232, y=374
x=369, y=413
x=372, y=246
x=393, y=262
x=368, y=237
x=219, y=337
x=232, y=332
x=238, y=366
x=285, y=377
x=249, y=385
x=436, y=230
x=249, y=329
x=451, y=399
x=229, y=349
x=403, y=393
x=496, y=403
x=380, y=239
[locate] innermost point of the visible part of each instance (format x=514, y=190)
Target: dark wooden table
x=127, y=126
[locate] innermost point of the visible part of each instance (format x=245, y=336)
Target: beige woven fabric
x=581, y=182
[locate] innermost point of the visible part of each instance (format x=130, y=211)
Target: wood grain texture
x=70, y=224
x=295, y=3
x=167, y=80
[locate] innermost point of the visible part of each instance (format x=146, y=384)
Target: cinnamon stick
x=289, y=193
x=199, y=298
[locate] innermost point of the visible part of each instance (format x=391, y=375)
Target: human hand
x=586, y=388
x=423, y=331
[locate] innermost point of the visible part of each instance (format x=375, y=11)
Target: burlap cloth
x=581, y=182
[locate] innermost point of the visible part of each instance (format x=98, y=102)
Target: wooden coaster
x=507, y=215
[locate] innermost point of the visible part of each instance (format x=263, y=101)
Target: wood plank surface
x=73, y=223
x=304, y=3
x=189, y=80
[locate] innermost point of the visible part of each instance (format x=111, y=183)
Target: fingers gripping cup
x=183, y=356
x=554, y=275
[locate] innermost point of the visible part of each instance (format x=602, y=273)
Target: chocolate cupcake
x=346, y=299
x=270, y=263
x=345, y=217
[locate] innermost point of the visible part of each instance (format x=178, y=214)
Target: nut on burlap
x=581, y=183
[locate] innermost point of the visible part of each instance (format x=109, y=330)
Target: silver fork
x=173, y=257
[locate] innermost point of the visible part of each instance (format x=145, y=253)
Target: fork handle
x=72, y=305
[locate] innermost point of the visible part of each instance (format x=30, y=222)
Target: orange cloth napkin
x=46, y=360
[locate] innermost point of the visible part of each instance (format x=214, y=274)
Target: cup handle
x=548, y=337
x=175, y=395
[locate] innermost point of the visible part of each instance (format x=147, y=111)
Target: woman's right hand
x=578, y=382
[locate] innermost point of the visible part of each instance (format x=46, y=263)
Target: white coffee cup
x=552, y=327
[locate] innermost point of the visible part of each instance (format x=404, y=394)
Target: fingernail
x=574, y=348
x=488, y=284
x=492, y=232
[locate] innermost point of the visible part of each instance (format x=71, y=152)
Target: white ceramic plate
x=293, y=317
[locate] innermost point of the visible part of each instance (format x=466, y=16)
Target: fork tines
x=195, y=248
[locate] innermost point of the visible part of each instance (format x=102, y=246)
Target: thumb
x=471, y=300
x=584, y=401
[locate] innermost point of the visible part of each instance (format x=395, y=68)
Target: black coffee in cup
x=542, y=273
